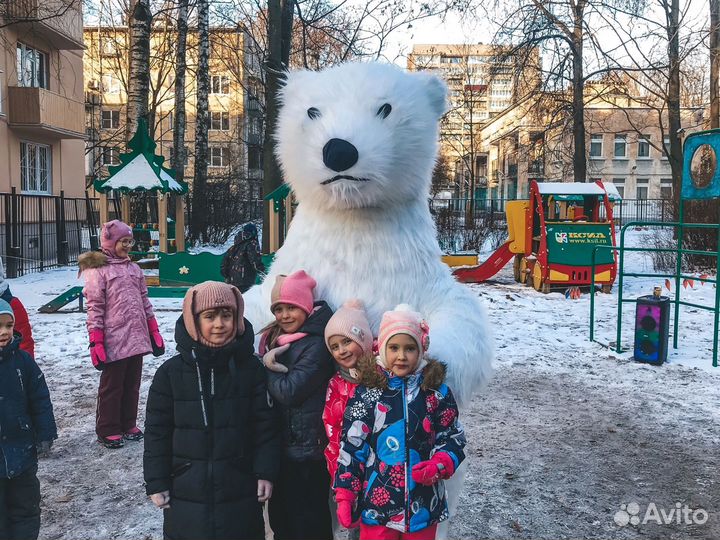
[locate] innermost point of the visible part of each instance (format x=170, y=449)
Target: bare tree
x=714, y=63
x=178, y=161
x=565, y=32
x=140, y=23
x=198, y=218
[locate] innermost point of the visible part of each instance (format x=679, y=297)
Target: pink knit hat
x=295, y=289
x=403, y=320
x=350, y=321
x=211, y=295
x=113, y=231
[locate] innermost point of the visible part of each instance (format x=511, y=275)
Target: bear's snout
x=339, y=155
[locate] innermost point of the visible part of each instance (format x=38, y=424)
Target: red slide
x=483, y=272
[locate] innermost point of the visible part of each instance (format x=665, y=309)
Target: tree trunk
x=179, y=120
x=714, y=64
x=280, y=18
x=140, y=22
x=579, y=155
x=198, y=219
x=673, y=98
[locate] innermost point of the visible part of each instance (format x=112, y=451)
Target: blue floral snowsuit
x=386, y=432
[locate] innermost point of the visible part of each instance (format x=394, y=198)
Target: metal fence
x=40, y=231
x=623, y=211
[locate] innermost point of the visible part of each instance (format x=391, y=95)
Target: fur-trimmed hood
x=92, y=259
x=373, y=375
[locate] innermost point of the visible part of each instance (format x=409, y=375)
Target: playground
x=566, y=433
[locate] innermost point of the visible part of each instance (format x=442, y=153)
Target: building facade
x=483, y=81
x=41, y=98
x=235, y=122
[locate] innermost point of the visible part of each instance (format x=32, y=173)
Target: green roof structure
x=141, y=169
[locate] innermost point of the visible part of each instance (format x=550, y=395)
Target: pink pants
x=378, y=532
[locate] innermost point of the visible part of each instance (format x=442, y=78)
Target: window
x=110, y=119
x=220, y=120
x=620, y=186
x=169, y=120
x=641, y=189
x=35, y=167
x=255, y=127
x=108, y=46
x=32, y=67
x=666, y=144
x=219, y=84
x=596, y=145
x=643, y=147
x=620, y=146
x=666, y=188
x=219, y=156
x=172, y=155
x=111, y=84
x=110, y=155
x=254, y=158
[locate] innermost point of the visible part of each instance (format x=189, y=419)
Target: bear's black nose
x=339, y=155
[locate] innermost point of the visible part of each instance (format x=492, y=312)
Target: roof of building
x=140, y=169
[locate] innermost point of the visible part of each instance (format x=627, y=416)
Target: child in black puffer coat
x=28, y=426
x=212, y=443
x=300, y=367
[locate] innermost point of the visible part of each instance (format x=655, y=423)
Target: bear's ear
x=437, y=92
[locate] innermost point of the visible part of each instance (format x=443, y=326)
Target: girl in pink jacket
x=122, y=329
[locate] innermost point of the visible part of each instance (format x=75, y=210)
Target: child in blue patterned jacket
x=401, y=438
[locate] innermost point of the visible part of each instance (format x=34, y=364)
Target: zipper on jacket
x=19, y=374
x=200, y=388
x=212, y=382
x=407, y=460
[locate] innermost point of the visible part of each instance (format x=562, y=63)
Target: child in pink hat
x=122, y=329
x=350, y=340
x=401, y=438
x=299, y=367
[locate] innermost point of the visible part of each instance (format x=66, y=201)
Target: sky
x=435, y=30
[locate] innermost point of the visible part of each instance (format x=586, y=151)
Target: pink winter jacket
x=117, y=303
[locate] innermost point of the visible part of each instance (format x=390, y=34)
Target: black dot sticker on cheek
x=313, y=113
x=384, y=111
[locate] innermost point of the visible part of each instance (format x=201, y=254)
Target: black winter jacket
x=242, y=262
x=210, y=434
x=300, y=393
x=26, y=413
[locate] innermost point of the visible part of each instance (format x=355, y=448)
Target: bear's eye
x=313, y=113
x=384, y=111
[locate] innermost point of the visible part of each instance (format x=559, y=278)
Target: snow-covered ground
x=566, y=433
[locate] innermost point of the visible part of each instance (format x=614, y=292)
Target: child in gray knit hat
x=212, y=446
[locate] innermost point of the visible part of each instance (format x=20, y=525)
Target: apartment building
x=624, y=143
x=483, y=81
x=235, y=118
x=42, y=127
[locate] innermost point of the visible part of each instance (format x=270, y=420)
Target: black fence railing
x=41, y=231
x=38, y=232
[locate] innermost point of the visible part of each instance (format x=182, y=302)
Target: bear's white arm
x=460, y=338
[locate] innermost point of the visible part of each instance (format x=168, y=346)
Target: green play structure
x=178, y=272
x=700, y=181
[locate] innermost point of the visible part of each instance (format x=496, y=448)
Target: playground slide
x=65, y=298
x=494, y=263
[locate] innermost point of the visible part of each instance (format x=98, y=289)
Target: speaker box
x=652, y=324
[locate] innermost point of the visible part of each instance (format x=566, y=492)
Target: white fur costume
x=372, y=237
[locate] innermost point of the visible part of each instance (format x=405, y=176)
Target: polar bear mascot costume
x=357, y=143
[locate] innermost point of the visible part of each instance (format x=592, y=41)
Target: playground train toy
x=552, y=237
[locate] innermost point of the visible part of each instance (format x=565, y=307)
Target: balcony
x=58, y=21
x=42, y=112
